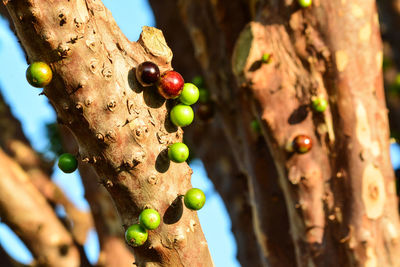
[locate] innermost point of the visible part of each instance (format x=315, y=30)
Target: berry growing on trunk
x=302, y=144
x=147, y=73
x=305, y=3
x=178, y=152
x=194, y=199
x=39, y=74
x=319, y=104
x=67, y=163
x=136, y=235
x=190, y=94
x=181, y=115
x=149, y=219
x=170, y=84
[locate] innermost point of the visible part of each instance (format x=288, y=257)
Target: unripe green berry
x=136, y=235
x=266, y=57
x=178, y=152
x=149, y=219
x=67, y=163
x=39, y=74
x=255, y=126
x=194, y=199
x=198, y=81
x=204, y=95
x=319, y=104
x=190, y=94
x=181, y=115
x=305, y=3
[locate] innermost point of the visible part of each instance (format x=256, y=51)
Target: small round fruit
x=178, y=152
x=302, y=144
x=170, y=84
x=67, y=163
x=198, y=81
x=205, y=112
x=204, y=95
x=194, y=199
x=149, y=219
x=255, y=126
x=305, y=3
x=190, y=94
x=319, y=104
x=266, y=57
x=181, y=115
x=39, y=74
x=136, y=235
x=147, y=73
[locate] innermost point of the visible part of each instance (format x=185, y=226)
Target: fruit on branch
x=319, y=104
x=149, y=219
x=67, y=163
x=147, y=73
x=302, y=144
x=170, y=84
x=181, y=115
x=266, y=58
x=194, y=199
x=190, y=94
x=39, y=74
x=305, y=3
x=198, y=81
x=255, y=126
x=205, y=111
x=136, y=235
x=204, y=95
x=178, y=152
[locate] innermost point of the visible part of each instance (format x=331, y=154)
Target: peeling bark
x=120, y=128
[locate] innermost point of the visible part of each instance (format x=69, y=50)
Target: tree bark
x=340, y=197
x=120, y=128
x=26, y=211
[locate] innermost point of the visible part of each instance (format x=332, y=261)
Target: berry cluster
x=170, y=85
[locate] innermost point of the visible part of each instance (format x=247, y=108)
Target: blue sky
x=34, y=112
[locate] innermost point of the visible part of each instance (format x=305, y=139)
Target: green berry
x=266, y=57
x=204, y=95
x=178, y=152
x=181, y=115
x=255, y=126
x=194, y=199
x=67, y=163
x=305, y=3
x=149, y=219
x=190, y=94
x=198, y=81
x=39, y=74
x=136, y=235
x=319, y=104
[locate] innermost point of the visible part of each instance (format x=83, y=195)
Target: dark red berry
x=302, y=144
x=147, y=73
x=205, y=111
x=170, y=84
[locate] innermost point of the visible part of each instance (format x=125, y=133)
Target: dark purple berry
x=302, y=144
x=147, y=73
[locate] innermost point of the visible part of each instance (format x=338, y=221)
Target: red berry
x=302, y=144
x=147, y=73
x=170, y=84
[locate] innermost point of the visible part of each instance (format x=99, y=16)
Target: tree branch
x=93, y=64
x=25, y=210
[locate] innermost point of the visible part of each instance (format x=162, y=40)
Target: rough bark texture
x=113, y=250
x=120, y=128
x=339, y=197
x=42, y=232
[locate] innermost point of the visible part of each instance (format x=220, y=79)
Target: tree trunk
x=340, y=197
